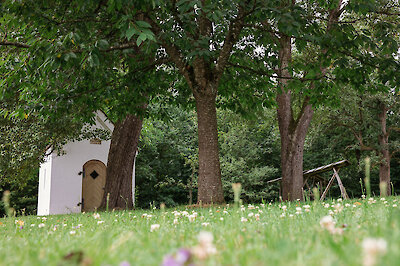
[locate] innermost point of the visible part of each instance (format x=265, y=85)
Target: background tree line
x=68, y=59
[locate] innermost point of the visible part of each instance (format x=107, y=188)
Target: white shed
x=74, y=182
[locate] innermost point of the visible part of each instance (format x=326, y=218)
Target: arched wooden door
x=93, y=183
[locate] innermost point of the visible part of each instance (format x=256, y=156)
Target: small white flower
x=243, y=219
x=372, y=248
x=383, y=199
x=100, y=222
x=284, y=207
x=44, y=218
x=72, y=232
x=96, y=216
x=191, y=218
x=339, y=200
x=154, y=227
x=394, y=205
x=32, y=225
x=282, y=215
x=363, y=196
x=250, y=214
x=41, y=225
x=326, y=205
x=205, y=224
x=222, y=218
x=175, y=221
x=257, y=216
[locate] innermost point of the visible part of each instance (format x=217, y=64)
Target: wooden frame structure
x=313, y=175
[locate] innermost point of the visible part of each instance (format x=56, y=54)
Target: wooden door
x=93, y=183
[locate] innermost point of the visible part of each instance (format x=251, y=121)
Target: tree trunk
x=209, y=179
x=384, y=166
x=121, y=156
x=293, y=136
x=293, y=132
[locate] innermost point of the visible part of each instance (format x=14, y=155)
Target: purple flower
x=181, y=258
x=170, y=261
x=125, y=263
x=183, y=255
x=21, y=227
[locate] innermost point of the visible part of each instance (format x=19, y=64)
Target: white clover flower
x=339, y=200
x=32, y=225
x=225, y=212
x=257, y=216
x=282, y=215
x=96, y=216
x=372, y=248
x=72, y=232
x=44, y=218
x=250, y=207
x=347, y=205
x=299, y=209
x=191, y=218
x=100, y=222
x=154, y=227
x=394, y=205
x=363, y=196
x=250, y=214
x=284, y=207
x=243, y=219
x=205, y=247
x=205, y=224
x=327, y=205
x=41, y=225
x=175, y=221
x=328, y=224
x=383, y=199
x=222, y=218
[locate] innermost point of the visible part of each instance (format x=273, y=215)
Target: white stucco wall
x=66, y=185
x=44, y=186
x=63, y=191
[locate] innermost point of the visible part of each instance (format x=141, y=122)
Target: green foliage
x=249, y=155
x=163, y=166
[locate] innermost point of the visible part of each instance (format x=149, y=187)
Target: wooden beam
x=325, y=168
x=327, y=187
x=342, y=189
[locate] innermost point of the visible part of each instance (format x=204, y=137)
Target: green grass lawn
x=251, y=235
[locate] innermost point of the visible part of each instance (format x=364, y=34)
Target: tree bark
x=384, y=166
x=293, y=136
x=121, y=157
x=209, y=179
x=292, y=131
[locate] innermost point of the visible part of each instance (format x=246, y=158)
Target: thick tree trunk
x=292, y=131
x=121, y=156
x=209, y=180
x=293, y=136
x=384, y=166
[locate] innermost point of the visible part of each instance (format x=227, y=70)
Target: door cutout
x=93, y=183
